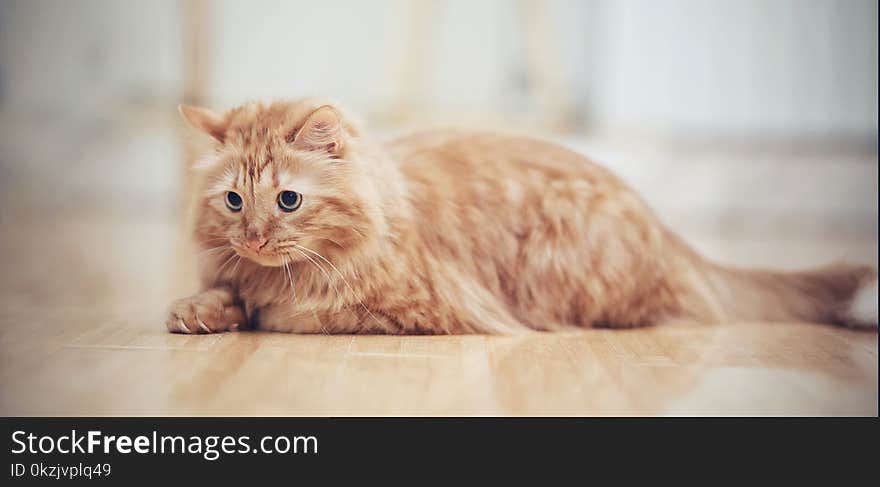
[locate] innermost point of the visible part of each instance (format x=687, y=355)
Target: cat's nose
x=256, y=243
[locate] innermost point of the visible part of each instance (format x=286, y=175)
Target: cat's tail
x=843, y=294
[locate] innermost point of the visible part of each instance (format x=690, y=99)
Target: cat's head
x=285, y=181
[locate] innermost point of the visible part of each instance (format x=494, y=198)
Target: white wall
x=741, y=68
x=276, y=49
x=74, y=76
x=747, y=67
x=88, y=56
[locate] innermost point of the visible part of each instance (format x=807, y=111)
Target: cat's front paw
x=207, y=312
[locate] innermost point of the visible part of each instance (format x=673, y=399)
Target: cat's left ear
x=322, y=130
x=205, y=120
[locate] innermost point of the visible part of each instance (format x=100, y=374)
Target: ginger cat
x=306, y=224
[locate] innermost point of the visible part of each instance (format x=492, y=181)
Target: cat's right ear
x=204, y=120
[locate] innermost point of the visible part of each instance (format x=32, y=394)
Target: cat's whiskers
x=285, y=260
x=323, y=330
x=220, y=269
x=201, y=253
x=235, y=266
x=341, y=276
x=326, y=274
x=218, y=238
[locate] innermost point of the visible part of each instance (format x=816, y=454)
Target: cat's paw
x=207, y=312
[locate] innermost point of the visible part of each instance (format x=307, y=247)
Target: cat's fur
x=454, y=232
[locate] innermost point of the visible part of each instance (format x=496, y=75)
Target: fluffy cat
x=308, y=225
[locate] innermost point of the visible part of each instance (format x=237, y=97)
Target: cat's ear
x=322, y=130
x=204, y=120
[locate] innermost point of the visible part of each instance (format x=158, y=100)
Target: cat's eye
x=233, y=201
x=289, y=200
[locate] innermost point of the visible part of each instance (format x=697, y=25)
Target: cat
x=306, y=224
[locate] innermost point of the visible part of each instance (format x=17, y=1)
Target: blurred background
x=738, y=121
x=749, y=125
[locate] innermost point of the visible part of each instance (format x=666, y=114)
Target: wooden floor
x=82, y=333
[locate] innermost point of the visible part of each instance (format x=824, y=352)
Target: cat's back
x=491, y=184
x=484, y=157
